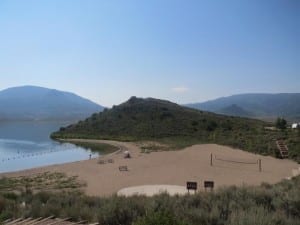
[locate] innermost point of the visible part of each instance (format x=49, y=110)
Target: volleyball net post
x=259, y=165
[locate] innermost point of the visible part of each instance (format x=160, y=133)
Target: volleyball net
x=215, y=159
x=240, y=161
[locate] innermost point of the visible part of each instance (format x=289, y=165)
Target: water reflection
x=25, y=145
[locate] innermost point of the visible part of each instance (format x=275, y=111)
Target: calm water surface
x=25, y=145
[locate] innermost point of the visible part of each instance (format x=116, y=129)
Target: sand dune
x=172, y=168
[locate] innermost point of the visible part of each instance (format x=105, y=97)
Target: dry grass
x=51, y=181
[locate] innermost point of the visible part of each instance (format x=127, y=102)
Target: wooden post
x=211, y=159
x=259, y=162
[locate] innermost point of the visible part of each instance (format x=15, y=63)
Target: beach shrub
x=258, y=215
x=2, y=203
x=121, y=210
x=281, y=123
x=159, y=218
x=277, y=204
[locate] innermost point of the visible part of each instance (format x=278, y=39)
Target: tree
x=281, y=123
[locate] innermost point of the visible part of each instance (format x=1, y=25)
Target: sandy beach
x=171, y=168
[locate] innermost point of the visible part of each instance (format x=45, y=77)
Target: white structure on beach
x=295, y=125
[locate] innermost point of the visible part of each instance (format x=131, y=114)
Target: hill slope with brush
x=159, y=120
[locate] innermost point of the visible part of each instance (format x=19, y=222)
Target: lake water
x=25, y=145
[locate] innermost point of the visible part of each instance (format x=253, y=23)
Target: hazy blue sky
x=183, y=51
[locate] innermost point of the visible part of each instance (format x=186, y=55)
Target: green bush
x=277, y=204
x=120, y=210
x=159, y=218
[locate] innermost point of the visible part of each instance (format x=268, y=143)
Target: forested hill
x=153, y=119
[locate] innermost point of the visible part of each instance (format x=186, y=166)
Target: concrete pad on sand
x=150, y=190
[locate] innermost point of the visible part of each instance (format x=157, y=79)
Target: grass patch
x=40, y=182
x=102, y=148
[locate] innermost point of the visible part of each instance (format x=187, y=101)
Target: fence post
x=259, y=161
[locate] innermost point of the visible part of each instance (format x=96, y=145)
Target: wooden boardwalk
x=43, y=221
x=283, y=149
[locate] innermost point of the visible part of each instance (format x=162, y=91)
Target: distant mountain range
x=37, y=103
x=263, y=106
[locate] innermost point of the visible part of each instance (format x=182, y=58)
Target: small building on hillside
x=295, y=125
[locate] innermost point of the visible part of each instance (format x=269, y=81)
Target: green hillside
x=153, y=119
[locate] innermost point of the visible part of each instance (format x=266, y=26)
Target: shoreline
x=68, y=141
x=58, y=164
x=167, y=167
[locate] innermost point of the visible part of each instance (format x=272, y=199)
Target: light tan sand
x=171, y=168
